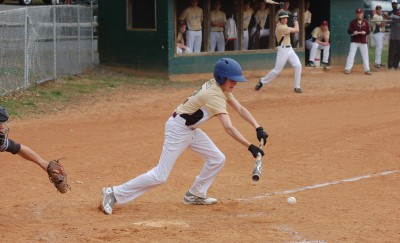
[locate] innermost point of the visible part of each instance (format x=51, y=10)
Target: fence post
x=79, y=36
x=26, y=58
x=54, y=42
x=92, y=30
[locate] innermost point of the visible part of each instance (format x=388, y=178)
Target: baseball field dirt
x=335, y=148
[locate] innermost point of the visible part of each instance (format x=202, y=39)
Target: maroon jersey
x=355, y=25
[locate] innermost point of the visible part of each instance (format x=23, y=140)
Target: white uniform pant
x=178, y=137
x=217, y=39
x=379, y=39
x=245, y=40
x=182, y=51
x=284, y=55
x=352, y=53
x=194, y=39
x=313, y=46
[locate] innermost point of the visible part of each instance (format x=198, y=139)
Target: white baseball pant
x=194, y=39
x=285, y=54
x=182, y=51
x=217, y=39
x=313, y=46
x=379, y=39
x=178, y=137
x=245, y=40
x=352, y=53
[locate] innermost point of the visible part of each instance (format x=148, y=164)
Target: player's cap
x=283, y=14
x=378, y=7
x=359, y=10
x=324, y=23
x=394, y=1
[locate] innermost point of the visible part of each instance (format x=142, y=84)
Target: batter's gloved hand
x=58, y=176
x=261, y=134
x=254, y=150
x=281, y=4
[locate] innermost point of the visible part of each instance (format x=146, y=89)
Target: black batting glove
x=254, y=150
x=261, y=134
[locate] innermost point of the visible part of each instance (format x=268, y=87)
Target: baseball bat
x=271, y=2
x=258, y=166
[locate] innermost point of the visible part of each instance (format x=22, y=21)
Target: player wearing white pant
x=218, y=22
x=319, y=40
x=358, y=29
x=378, y=30
x=182, y=132
x=247, y=13
x=285, y=53
x=193, y=16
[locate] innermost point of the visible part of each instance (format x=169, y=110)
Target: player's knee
x=218, y=159
x=160, y=176
x=297, y=66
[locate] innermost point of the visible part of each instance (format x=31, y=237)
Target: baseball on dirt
x=291, y=200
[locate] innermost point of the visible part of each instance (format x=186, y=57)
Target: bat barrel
x=255, y=177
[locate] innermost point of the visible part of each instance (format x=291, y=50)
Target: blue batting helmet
x=227, y=68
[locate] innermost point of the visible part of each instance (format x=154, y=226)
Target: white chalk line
x=320, y=185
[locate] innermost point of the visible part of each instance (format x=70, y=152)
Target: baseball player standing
x=193, y=16
x=247, y=13
x=378, y=30
x=285, y=53
x=319, y=40
x=218, y=22
x=394, y=40
x=358, y=30
x=182, y=132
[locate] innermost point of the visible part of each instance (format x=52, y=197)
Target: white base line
x=320, y=185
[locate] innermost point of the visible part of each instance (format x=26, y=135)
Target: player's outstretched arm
x=233, y=132
x=244, y=113
x=28, y=154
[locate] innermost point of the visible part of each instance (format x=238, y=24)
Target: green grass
x=371, y=53
x=53, y=96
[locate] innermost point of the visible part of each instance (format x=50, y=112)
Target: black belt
x=216, y=31
x=195, y=30
x=244, y=29
x=286, y=46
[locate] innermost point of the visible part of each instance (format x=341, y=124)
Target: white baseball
x=291, y=200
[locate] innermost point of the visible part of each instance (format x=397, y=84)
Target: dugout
x=141, y=35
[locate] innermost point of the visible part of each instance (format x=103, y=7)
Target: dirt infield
x=336, y=148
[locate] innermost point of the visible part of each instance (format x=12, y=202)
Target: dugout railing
x=44, y=43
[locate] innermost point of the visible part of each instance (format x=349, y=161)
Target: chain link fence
x=44, y=43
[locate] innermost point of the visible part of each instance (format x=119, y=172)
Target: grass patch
x=52, y=96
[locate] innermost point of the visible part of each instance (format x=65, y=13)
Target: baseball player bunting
x=182, y=132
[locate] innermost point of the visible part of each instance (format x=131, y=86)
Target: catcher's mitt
x=58, y=176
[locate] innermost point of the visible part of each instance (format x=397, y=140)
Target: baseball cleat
x=368, y=72
x=195, y=200
x=298, y=90
x=326, y=65
x=259, y=85
x=378, y=65
x=311, y=64
x=108, y=200
x=347, y=71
